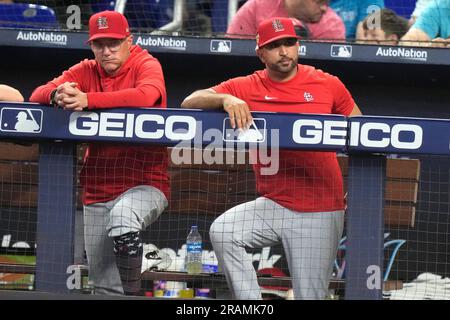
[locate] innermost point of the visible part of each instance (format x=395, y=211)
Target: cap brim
x=106, y=35
x=284, y=36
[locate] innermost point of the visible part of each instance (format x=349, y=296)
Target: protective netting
x=204, y=185
x=348, y=20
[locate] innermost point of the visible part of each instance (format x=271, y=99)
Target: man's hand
x=69, y=97
x=238, y=111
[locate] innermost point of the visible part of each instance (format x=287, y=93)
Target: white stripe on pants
x=310, y=241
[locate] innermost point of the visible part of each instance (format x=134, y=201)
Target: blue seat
x=149, y=14
x=21, y=15
x=219, y=16
x=141, y=14
x=403, y=8
x=103, y=5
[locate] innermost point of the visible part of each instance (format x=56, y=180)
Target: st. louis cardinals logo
x=277, y=25
x=102, y=23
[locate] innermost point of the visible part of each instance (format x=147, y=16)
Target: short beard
x=282, y=70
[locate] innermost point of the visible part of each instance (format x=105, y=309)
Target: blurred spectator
x=383, y=27
x=420, y=6
x=313, y=18
x=353, y=13
x=432, y=25
x=8, y=93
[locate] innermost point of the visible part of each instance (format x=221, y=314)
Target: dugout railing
x=363, y=138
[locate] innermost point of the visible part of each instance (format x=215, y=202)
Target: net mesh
x=415, y=239
x=215, y=18
x=416, y=203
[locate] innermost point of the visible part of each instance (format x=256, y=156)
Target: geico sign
x=369, y=134
x=309, y=131
x=360, y=134
x=145, y=126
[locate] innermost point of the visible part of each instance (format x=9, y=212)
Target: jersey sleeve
x=75, y=74
x=236, y=87
x=428, y=21
x=343, y=100
x=149, y=90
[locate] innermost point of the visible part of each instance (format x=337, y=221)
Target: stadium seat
x=103, y=5
x=149, y=14
x=219, y=16
x=20, y=15
x=403, y=8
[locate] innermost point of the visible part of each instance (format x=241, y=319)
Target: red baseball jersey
x=109, y=170
x=306, y=181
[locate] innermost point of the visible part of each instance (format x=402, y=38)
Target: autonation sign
x=162, y=42
x=403, y=53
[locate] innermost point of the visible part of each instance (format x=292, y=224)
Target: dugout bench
x=227, y=186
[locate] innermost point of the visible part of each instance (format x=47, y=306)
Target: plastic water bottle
x=194, y=251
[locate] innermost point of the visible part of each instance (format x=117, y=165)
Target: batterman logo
x=341, y=51
x=45, y=37
x=21, y=120
x=167, y=43
x=222, y=46
x=255, y=133
x=403, y=53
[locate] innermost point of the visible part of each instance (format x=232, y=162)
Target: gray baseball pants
x=134, y=210
x=310, y=241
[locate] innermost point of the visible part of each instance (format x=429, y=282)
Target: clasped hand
x=69, y=97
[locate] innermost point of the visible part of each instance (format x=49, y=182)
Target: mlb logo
x=222, y=46
x=341, y=51
x=21, y=120
x=256, y=132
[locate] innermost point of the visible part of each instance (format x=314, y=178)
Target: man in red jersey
x=125, y=188
x=302, y=205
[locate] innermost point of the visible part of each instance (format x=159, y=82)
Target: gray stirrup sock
x=128, y=251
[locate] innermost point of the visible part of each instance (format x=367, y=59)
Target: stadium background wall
x=388, y=89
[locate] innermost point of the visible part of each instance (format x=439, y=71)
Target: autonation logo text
x=169, y=43
x=404, y=53
x=302, y=50
x=48, y=37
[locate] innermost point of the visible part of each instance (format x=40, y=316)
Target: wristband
x=52, y=98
